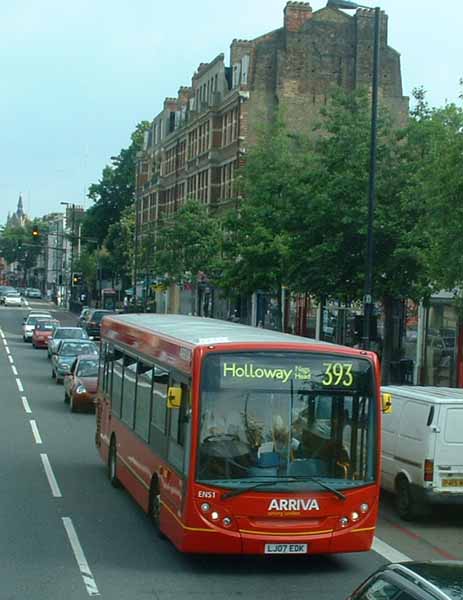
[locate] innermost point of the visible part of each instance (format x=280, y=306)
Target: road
x=67, y=534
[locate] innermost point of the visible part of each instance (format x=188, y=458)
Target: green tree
x=17, y=244
x=438, y=184
x=330, y=221
x=119, y=245
x=257, y=241
x=115, y=190
x=187, y=245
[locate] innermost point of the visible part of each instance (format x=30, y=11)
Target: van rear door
x=448, y=461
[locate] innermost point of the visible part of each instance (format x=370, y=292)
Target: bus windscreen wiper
x=321, y=483
x=238, y=491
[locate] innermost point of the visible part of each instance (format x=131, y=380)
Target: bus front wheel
x=112, y=464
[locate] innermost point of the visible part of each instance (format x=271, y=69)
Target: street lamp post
x=368, y=291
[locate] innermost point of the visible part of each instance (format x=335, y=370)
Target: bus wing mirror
x=174, y=397
x=386, y=401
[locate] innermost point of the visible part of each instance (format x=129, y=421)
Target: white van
x=422, y=447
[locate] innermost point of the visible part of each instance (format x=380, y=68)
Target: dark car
x=414, y=581
x=92, y=322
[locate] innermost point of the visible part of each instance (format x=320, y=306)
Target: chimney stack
x=296, y=14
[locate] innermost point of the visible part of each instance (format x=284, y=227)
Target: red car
x=42, y=331
x=80, y=385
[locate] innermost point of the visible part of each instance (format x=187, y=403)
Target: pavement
x=66, y=533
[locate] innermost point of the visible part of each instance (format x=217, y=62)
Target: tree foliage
x=257, y=240
x=115, y=190
x=438, y=186
x=187, y=245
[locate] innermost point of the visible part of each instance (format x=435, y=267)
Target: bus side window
x=117, y=385
x=160, y=385
x=178, y=426
x=102, y=366
x=143, y=405
x=129, y=387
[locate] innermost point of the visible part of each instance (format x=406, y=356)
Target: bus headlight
x=344, y=521
x=355, y=516
x=227, y=521
x=205, y=507
x=215, y=515
x=364, y=508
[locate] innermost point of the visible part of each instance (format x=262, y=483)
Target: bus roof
x=198, y=331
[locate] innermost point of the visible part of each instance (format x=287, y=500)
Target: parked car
x=42, y=332
x=413, y=581
x=30, y=321
x=422, y=448
x=80, y=386
x=92, y=322
x=64, y=333
x=83, y=313
x=12, y=299
x=68, y=350
x=33, y=293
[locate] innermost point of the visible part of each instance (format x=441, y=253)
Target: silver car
x=62, y=333
x=62, y=360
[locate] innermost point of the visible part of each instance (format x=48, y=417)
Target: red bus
x=237, y=439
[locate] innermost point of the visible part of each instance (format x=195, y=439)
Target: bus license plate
x=285, y=549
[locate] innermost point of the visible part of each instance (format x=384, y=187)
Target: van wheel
x=404, y=502
x=112, y=464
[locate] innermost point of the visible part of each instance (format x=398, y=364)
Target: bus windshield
x=271, y=415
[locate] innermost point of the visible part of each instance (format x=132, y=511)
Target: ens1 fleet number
x=206, y=494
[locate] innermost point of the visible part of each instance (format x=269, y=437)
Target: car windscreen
x=33, y=320
x=88, y=368
x=97, y=316
x=70, y=334
x=75, y=348
x=45, y=325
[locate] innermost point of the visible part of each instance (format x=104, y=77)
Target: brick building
x=198, y=141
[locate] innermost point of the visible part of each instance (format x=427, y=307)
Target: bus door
x=174, y=482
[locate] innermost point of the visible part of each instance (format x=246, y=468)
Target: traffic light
x=35, y=232
x=76, y=278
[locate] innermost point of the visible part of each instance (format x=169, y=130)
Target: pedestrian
x=126, y=304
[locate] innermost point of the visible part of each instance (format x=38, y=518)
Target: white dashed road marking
x=388, y=552
x=87, y=575
x=51, y=477
x=27, y=408
x=35, y=431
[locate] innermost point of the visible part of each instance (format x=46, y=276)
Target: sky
x=76, y=77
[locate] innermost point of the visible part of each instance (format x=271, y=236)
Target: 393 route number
x=338, y=374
